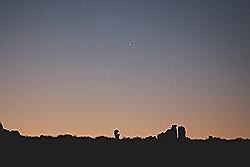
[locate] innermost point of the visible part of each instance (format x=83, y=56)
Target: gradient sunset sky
x=66, y=67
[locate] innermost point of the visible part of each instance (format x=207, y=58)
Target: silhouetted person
x=116, y=134
x=1, y=126
x=181, y=133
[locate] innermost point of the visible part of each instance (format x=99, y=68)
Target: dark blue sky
x=68, y=63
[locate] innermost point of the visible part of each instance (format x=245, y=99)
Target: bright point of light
x=130, y=44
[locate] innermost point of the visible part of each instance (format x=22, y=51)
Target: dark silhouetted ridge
x=169, y=148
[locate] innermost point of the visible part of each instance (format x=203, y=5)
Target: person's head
x=116, y=134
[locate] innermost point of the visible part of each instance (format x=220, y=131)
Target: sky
x=66, y=67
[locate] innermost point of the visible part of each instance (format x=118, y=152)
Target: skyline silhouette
x=171, y=148
x=175, y=133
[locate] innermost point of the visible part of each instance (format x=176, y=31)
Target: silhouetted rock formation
x=1, y=126
x=116, y=134
x=169, y=136
x=165, y=150
x=181, y=133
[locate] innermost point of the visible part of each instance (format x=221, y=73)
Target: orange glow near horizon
x=90, y=119
x=67, y=67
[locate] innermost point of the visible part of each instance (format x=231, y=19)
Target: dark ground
x=67, y=150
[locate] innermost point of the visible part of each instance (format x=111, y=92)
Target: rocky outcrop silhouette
x=169, y=136
x=1, y=126
x=181, y=133
x=168, y=148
